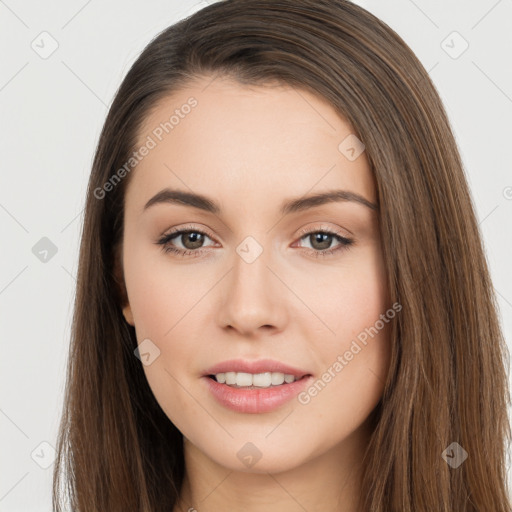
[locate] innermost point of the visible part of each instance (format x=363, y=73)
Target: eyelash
x=345, y=243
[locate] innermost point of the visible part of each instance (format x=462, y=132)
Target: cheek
x=348, y=298
x=164, y=299
x=354, y=354
x=351, y=384
x=352, y=373
x=160, y=293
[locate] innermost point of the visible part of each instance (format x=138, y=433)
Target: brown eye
x=190, y=239
x=184, y=242
x=321, y=241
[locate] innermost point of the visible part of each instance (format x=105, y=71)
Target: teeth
x=243, y=379
x=289, y=378
x=230, y=378
x=259, y=380
x=277, y=378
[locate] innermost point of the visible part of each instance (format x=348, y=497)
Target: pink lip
x=255, y=401
x=260, y=366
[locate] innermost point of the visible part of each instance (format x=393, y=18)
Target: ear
x=128, y=316
x=121, y=292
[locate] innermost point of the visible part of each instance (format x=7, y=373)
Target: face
x=241, y=279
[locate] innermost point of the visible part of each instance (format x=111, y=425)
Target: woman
x=283, y=301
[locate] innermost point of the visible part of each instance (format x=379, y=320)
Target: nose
x=254, y=298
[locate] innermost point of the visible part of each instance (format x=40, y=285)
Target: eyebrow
x=173, y=196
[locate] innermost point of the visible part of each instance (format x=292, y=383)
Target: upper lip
x=259, y=366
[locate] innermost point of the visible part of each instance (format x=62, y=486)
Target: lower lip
x=255, y=401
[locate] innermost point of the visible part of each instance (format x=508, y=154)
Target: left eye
x=322, y=240
x=192, y=242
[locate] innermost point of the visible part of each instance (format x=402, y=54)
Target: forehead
x=226, y=139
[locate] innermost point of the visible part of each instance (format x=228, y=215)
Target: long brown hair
x=117, y=450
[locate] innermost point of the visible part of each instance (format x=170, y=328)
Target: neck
x=329, y=481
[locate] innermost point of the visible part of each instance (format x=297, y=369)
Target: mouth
x=265, y=380
x=254, y=387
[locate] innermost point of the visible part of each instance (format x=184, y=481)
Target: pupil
x=195, y=239
x=322, y=239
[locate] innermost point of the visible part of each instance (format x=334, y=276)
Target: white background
x=52, y=111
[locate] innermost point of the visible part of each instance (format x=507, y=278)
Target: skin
x=249, y=149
